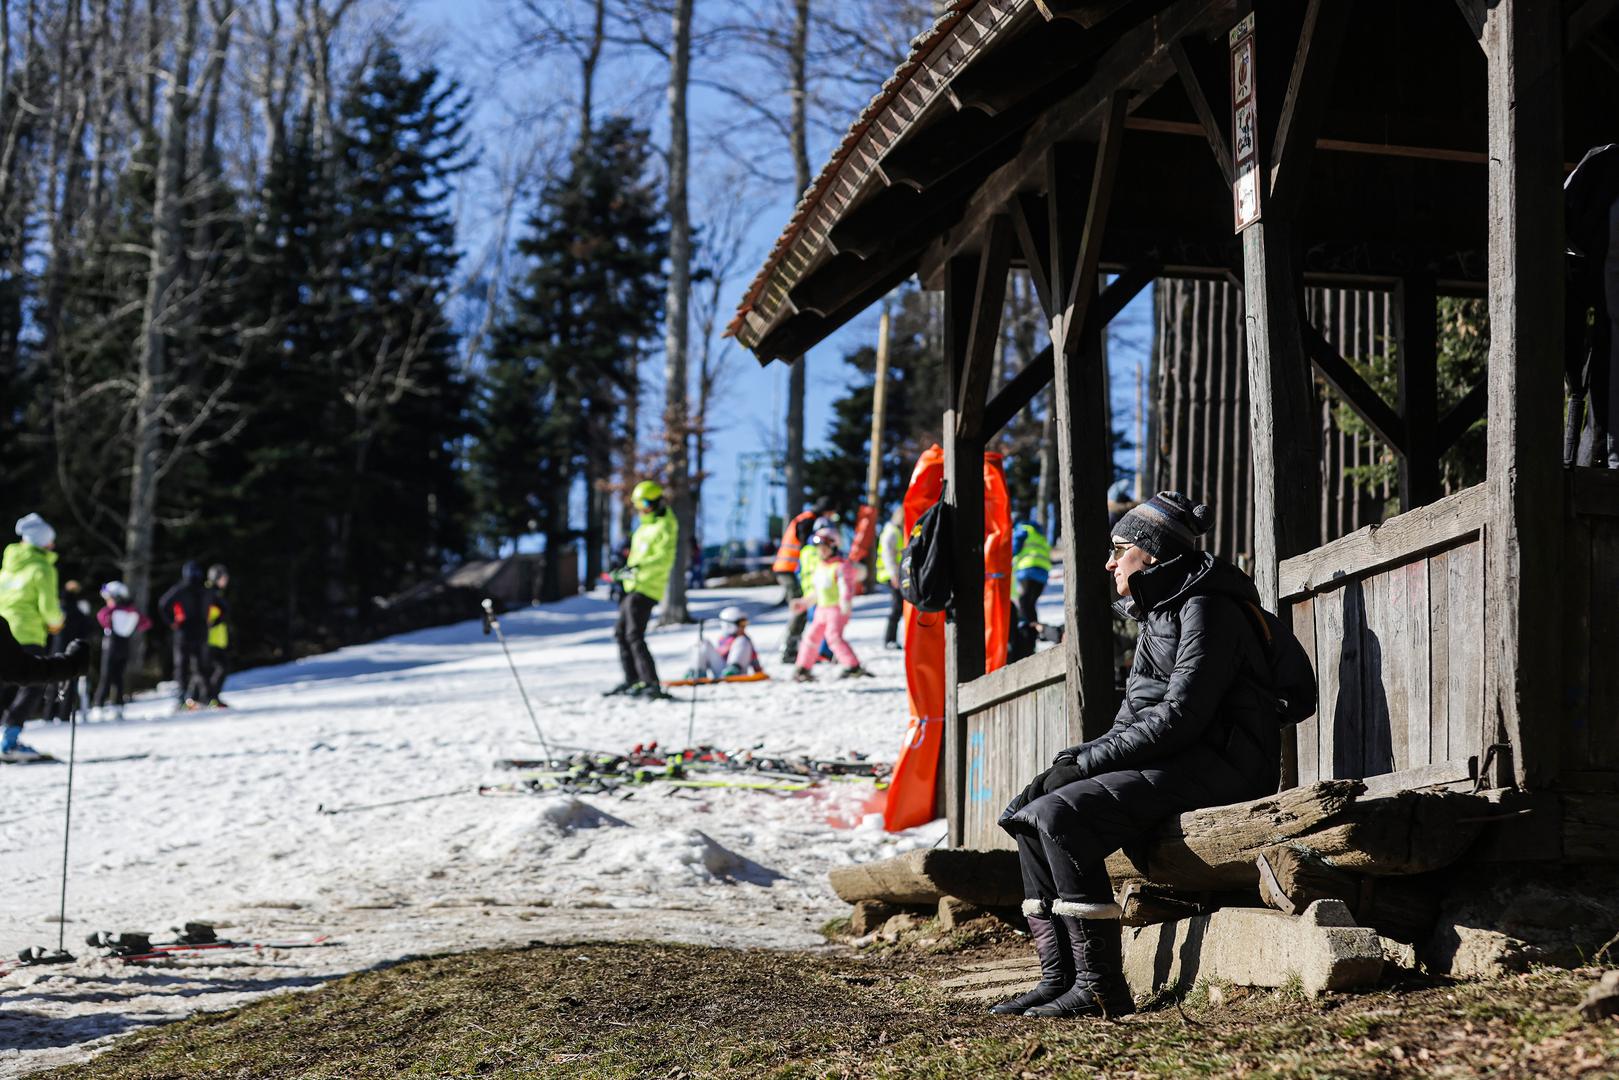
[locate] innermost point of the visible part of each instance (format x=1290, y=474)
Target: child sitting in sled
x=735, y=654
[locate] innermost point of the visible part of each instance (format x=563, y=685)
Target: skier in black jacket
x=1197, y=728
x=184, y=609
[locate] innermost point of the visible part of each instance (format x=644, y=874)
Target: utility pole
x=1141, y=439
x=879, y=412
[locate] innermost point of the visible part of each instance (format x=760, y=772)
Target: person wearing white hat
x=735, y=654
x=30, y=605
x=120, y=621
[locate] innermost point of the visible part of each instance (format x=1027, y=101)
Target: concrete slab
x=1322, y=948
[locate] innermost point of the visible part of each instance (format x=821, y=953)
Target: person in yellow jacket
x=644, y=576
x=889, y=541
x=30, y=605
x=216, y=657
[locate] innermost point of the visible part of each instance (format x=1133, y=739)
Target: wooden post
x=1084, y=463
x=1419, y=392
x=975, y=292
x=1524, y=531
x=879, y=412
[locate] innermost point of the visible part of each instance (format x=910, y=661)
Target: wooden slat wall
x=1201, y=406
x=1007, y=744
x=1399, y=658
x=1590, y=706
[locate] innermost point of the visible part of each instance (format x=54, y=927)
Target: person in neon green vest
x=645, y=577
x=832, y=590
x=30, y=605
x=889, y=541
x=1031, y=567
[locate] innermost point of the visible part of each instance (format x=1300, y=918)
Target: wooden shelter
x=1415, y=148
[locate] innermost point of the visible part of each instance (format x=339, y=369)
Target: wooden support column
x=1419, y=392
x=1281, y=399
x=1523, y=533
x=975, y=292
x=1083, y=452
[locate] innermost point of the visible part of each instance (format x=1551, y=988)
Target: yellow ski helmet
x=647, y=491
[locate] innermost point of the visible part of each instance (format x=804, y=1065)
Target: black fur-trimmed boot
x=1098, y=957
x=1056, y=961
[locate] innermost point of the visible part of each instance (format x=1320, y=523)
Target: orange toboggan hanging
x=912, y=789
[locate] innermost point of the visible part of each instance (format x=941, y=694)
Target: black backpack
x=1291, y=676
x=924, y=562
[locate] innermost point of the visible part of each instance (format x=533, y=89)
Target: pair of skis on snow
x=138, y=948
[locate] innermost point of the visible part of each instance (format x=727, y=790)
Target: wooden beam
x=1523, y=587
x=1083, y=452
x=1208, y=89
x=1463, y=415
x=1014, y=680
x=1586, y=18
x=1418, y=359
x=989, y=299
x=964, y=493
x=1081, y=285
x=1037, y=373
x=1020, y=68
x=1030, y=217
x=1452, y=520
x=1309, y=86
x=1367, y=403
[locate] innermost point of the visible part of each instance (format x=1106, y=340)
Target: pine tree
x=560, y=362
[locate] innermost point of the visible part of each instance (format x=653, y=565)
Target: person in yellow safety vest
x=1031, y=567
x=789, y=561
x=216, y=657
x=889, y=541
x=832, y=589
x=645, y=577
x=30, y=605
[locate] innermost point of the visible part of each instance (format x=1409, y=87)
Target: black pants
x=22, y=703
x=114, y=659
x=896, y=610
x=218, y=664
x=630, y=633
x=1028, y=597
x=1592, y=365
x=795, y=623
x=1049, y=874
x=188, y=670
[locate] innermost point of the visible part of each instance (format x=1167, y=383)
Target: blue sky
x=516, y=102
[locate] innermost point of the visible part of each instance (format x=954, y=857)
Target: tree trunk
x=152, y=372
x=797, y=51
x=676, y=423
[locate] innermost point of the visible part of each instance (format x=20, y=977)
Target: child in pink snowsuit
x=833, y=589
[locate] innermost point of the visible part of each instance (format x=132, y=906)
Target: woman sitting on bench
x=1193, y=731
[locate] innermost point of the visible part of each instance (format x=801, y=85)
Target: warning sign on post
x=1244, y=124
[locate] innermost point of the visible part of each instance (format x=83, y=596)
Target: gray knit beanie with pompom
x=1166, y=525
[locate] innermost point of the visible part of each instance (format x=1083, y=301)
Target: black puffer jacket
x=1197, y=727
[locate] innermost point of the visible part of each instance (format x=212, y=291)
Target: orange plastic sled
x=913, y=786
x=757, y=676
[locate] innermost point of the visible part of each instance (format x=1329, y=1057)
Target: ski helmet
x=733, y=615
x=115, y=591
x=827, y=540
x=647, y=491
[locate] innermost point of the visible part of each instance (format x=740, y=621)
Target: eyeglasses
x=1116, y=551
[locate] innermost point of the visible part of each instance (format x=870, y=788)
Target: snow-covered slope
x=217, y=819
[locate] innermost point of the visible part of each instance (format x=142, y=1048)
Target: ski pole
x=490, y=622
x=321, y=809
x=691, y=719
x=67, y=817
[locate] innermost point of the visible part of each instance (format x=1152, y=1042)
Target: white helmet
x=116, y=591
x=733, y=615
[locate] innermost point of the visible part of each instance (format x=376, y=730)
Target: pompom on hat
x=36, y=530
x=1166, y=525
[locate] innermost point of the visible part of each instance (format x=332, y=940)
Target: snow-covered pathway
x=213, y=816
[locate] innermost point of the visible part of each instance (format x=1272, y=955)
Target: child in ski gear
x=833, y=589
x=217, y=654
x=184, y=609
x=29, y=604
x=1031, y=567
x=735, y=654
x=645, y=577
x=120, y=621
x=789, y=561
x=888, y=545
x=1191, y=733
